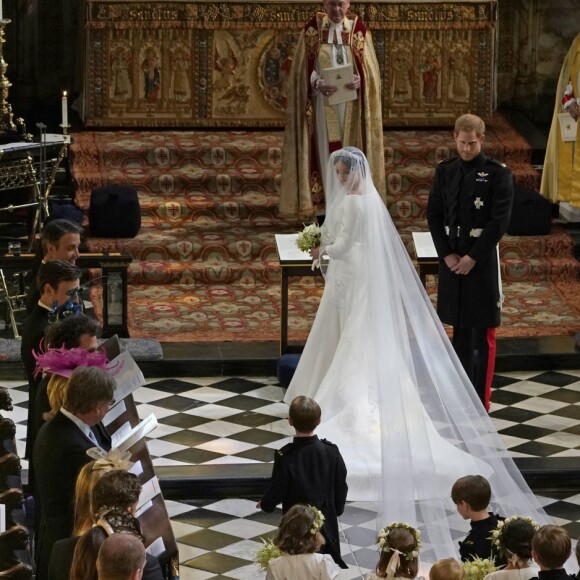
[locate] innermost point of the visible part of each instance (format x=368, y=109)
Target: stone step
x=193, y=243
x=157, y=188
x=211, y=271
x=215, y=265
x=254, y=211
x=210, y=187
x=540, y=270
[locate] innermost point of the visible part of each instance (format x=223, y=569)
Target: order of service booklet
x=340, y=76
x=568, y=127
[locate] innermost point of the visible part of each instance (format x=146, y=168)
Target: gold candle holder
x=65, y=134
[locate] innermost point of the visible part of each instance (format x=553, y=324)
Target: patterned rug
x=205, y=266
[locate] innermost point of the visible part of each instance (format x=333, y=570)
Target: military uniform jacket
x=474, y=201
x=311, y=471
x=559, y=574
x=477, y=543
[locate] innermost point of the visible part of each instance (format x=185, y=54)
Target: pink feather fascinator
x=63, y=361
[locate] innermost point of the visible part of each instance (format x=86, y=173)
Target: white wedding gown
x=394, y=396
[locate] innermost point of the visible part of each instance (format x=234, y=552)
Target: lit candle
x=1, y=17
x=64, y=108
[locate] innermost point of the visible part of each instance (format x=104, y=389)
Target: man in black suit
x=71, y=332
x=55, y=280
x=468, y=212
x=60, y=452
x=59, y=240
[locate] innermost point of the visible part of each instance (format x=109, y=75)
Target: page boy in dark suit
x=551, y=548
x=311, y=471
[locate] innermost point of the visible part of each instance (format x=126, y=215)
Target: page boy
x=471, y=495
x=551, y=547
x=311, y=471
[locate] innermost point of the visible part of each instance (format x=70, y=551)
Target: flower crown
x=383, y=539
x=497, y=534
x=318, y=520
x=269, y=550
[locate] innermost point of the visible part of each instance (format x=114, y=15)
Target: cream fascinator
x=112, y=460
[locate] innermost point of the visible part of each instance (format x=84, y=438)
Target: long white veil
x=394, y=396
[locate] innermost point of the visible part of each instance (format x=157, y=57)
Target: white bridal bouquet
x=309, y=238
x=478, y=568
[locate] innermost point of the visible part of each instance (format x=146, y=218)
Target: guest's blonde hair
x=89, y=475
x=56, y=391
x=447, y=569
x=86, y=480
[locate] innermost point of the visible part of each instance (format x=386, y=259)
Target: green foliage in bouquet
x=268, y=551
x=478, y=569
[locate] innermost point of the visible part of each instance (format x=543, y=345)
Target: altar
x=186, y=63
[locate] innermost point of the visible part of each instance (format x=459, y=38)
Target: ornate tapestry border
x=247, y=16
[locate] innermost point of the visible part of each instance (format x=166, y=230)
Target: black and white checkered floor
x=237, y=420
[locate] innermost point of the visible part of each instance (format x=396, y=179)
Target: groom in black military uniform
x=468, y=213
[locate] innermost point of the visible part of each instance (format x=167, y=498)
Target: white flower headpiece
x=318, y=520
x=383, y=539
x=497, y=534
x=269, y=550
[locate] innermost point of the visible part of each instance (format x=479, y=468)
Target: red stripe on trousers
x=490, y=365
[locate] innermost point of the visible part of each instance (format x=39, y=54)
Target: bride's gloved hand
x=315, y=253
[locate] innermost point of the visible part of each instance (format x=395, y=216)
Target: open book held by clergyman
x=339, y=76
x=568, y=127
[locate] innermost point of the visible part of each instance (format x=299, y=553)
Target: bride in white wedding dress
x=394, y=396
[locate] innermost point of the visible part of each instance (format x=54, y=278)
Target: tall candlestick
x=1, y=17
x=64, y=109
